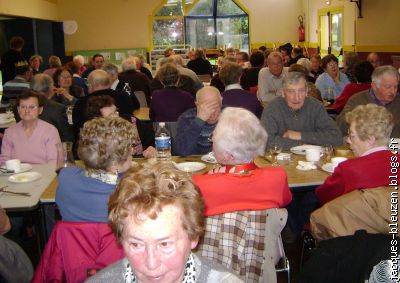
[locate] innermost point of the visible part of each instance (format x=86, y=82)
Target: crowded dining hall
x=199, y=141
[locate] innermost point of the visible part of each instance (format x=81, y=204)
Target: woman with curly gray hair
x=105, y=147
x=369, y=133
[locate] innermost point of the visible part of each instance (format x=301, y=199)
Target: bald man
x=195, y=126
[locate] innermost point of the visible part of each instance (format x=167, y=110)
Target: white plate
x=301, y=149
x=190, y=166
x=24, y=177
x=24, y=167
x=327, y=167
x=209, y=158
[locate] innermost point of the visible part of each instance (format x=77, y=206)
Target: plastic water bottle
x=127, y=88
x=163, y=143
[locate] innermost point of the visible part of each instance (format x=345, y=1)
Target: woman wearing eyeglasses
x=31, y=140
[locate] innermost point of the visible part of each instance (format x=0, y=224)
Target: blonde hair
x=104, y=142
x=372, y=120
x=147, y=190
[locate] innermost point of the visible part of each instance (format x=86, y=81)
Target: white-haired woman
x=369, y=134
x=240, y=184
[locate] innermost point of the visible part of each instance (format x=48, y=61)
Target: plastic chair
x=75, y=251
x=248, y=242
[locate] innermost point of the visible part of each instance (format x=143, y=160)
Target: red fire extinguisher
x=302, y=33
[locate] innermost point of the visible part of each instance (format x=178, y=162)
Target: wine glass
x=275, y=149
x=327, y=151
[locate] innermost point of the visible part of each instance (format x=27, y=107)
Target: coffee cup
x=13, y=165
x=313, y=154
x=336, y=160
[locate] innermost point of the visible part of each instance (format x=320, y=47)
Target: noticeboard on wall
x=115, y=56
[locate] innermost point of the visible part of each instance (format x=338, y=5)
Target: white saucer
x=24, y=167
x=24, y=177
x=301, y=149
x=327, y=167
x=209, y=158
x=190, y=166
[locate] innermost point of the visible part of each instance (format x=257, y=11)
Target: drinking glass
x=327, y=151
x=275, y=149
x=65, y=157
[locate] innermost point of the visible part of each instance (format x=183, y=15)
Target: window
x=201, y=24
x=330, y=26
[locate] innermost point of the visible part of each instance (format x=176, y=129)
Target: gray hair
x=177, y=59
x=292, y=78
x=42, y=83
x=98, y=78
x=275, y=54
x=111, y=69
x=129, y=64
x=166, y=60
x=240, y=133
x=54, y=61
x=79, y=58
x=379, y=72
x=305, y=62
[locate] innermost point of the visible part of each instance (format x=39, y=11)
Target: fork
x=2, y=189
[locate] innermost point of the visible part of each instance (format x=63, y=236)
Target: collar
x=376, y=100
x=234, y=169
x=76, y=76
x=374, y=149
x=114, y=84
x=102, y=176
x=189, y=275
x=233, y=86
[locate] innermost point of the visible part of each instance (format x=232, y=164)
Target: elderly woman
x=157, y=216
x=105, y=147
x=369, y=133
x=35, y=61
x=104, y=106
x=240, y=184
x=234, y=95
x=54, y=64
x=53, y=112
x=350, y=59
x=332, y=81
x=67, y=92
x=169, y=103
x=31, y=140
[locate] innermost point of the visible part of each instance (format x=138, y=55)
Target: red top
x=348, y=91
x=262, y=188
x=365, y=172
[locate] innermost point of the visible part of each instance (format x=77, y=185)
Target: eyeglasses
x=332, y=65
x=28, y=107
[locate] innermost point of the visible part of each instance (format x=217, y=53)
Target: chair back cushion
x=74, y=249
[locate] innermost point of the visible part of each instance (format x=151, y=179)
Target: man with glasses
x=271, y=77
x=296, y=119
x=383, y=92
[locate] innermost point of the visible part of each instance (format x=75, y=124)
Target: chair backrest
x=248, y=242
x=204, y=78
x=365, y=209
x=75, y=249
x=171, y=127
x=141, y=97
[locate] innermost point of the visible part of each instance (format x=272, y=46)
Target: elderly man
x=270, y=78
x=97, y=63
x=136, y=79
x=383, y=92
x=374, y=59
x=195, y=126
x=296, y=119
x=99, y=84
x=15, y=87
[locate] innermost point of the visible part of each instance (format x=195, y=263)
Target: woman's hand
x=149, y=152
x=64, y=92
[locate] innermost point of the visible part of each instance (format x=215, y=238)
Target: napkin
x=283, y=156
x=306, y=166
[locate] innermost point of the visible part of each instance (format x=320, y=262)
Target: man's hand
x=206, y=109
x=292, y=135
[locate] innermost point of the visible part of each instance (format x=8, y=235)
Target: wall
x=104, y=24
x=38, y=9
x=273, y=21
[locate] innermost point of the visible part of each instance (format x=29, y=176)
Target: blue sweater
x=81, y=198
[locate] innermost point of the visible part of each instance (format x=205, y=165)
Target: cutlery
x=2, y=189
